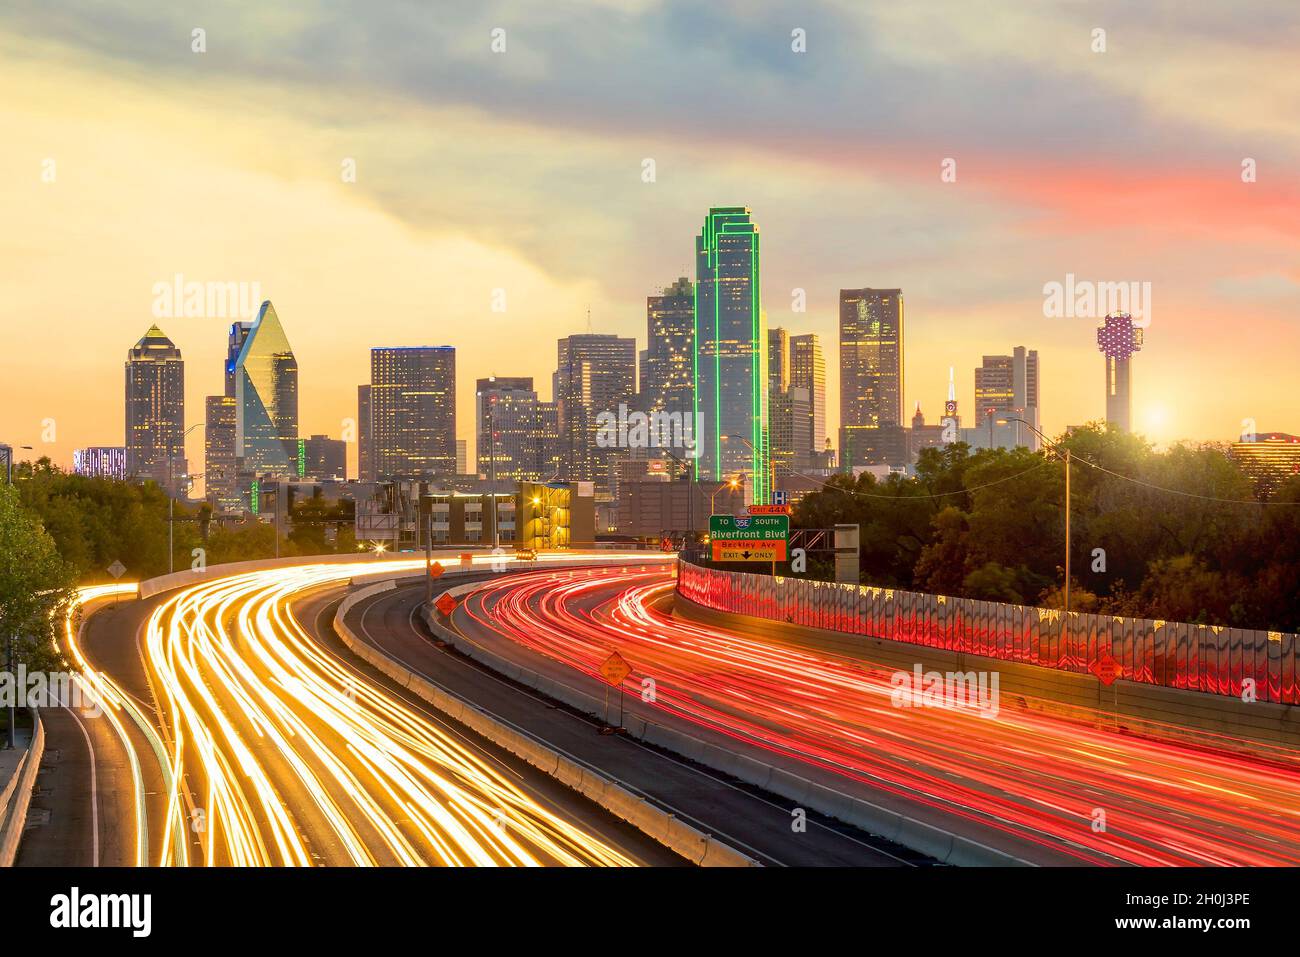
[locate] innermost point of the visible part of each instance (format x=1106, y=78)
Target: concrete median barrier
x=17, y=794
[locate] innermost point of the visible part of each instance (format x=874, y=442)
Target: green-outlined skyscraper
x=730, y=352
x=266, y=399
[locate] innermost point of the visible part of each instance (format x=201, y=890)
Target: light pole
x=171, y=497
x=771, y=466
x=1066, y=459
x=733, y=483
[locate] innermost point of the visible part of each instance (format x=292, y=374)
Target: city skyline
x=1163, y=202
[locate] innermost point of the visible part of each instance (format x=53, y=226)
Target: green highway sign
x=752, y=538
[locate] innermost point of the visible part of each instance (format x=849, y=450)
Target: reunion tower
x=1117, y=340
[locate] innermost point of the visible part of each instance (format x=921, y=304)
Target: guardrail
x=1207, y=658
x=17, y=794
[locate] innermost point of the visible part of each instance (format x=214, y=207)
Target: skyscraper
x=594, y=374
x=791, y=431
x=155, y=411
x=365, y=448
x=1117, y=339
x=808, y=371
x=508, y=428
x=220, y=470
x=871, y=376
x=1006, y=390
x=413, y=411
x=778, y=359
x=234, y=345
x=731, y=379
x=668, y=362
x=266, y=398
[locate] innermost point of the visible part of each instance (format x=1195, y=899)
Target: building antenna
x=589, y=320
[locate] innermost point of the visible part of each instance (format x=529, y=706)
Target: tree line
x=1180, y=534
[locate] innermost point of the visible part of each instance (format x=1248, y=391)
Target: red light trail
x=1038, y=777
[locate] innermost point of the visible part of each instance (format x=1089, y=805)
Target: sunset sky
x=522, y=171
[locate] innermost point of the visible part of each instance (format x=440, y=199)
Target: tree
x=36, y=586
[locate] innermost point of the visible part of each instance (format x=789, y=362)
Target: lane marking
x=94, y=790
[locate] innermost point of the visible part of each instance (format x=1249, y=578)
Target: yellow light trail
x=256, y=714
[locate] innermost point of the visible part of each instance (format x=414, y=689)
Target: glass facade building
x=731, y=377
x=595, y=374
x=412, y=412
x=266, y=398
x=668, y=363
x=155, y=410
x=871, y=377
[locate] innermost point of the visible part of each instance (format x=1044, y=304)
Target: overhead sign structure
x=749, y=538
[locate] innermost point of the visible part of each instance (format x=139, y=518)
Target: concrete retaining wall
x=17, y=794
x=692, y=844
x=851, y=809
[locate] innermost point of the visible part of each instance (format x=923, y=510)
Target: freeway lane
x=276, y=751
x=1047, y=789
x=756, y=823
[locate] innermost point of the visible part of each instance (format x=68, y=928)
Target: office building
x=220, y=468
x=594, y=374
x=100, y=461
x=365, y=452
x=1006, y=398
x=871, y=377
x=155, y=412
x=508, y=429
x=413, y=412
x=321, y=457
x=266, y=398
x=731, y=343
x=1269, y=458
x=808, y=371
x=667, y=364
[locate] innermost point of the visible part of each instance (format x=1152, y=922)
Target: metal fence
x=1173, y=654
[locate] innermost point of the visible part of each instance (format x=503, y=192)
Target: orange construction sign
x=436, y=570
x=614, y=669
x=1107, y=669
x=445, y=604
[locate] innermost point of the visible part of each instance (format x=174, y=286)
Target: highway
x=1048, y=789
x=754, y=822
x=236, y=737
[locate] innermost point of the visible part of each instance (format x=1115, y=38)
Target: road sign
x=436, y=570
x=1107, y=669
x=445, y=604
x=768, y=551
x=780, y=497
x=749, y=538
x=614, y=669
x=117, y=569
x=769, y=509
